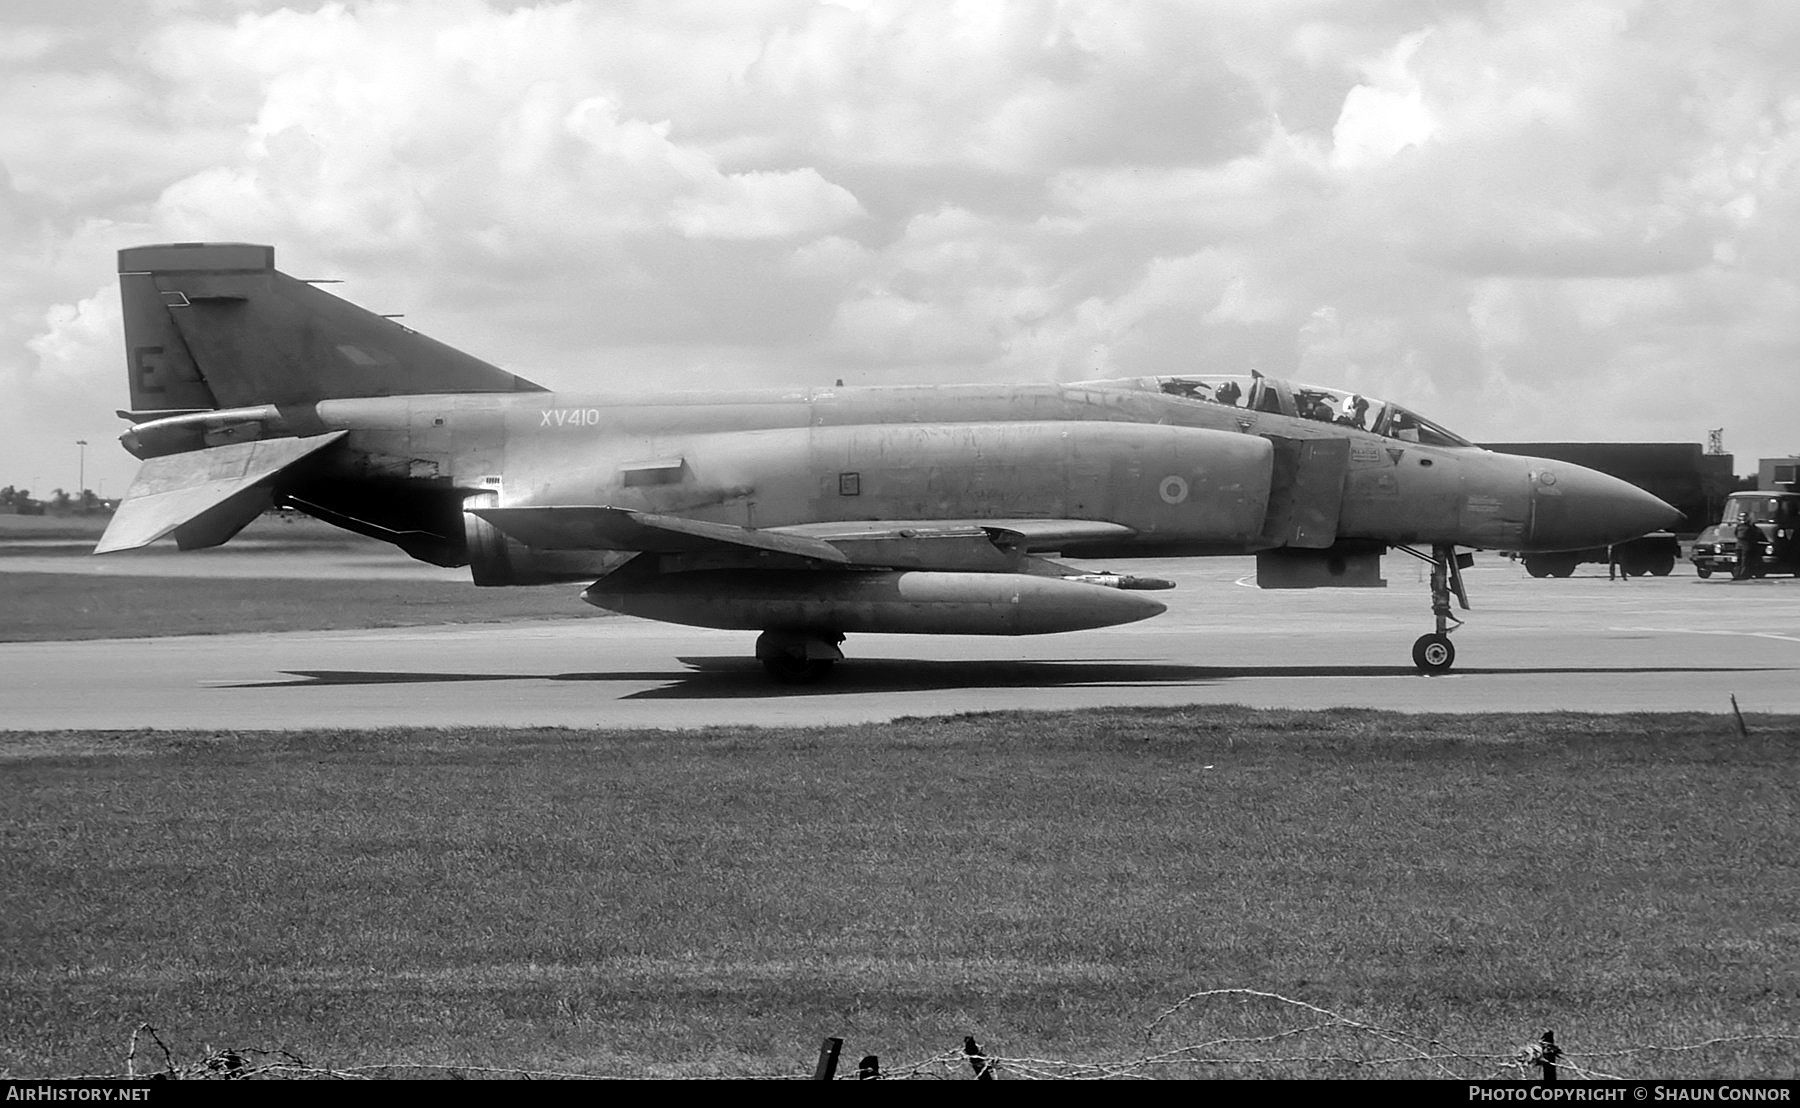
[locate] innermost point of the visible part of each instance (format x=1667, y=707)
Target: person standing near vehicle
x=1749, y=549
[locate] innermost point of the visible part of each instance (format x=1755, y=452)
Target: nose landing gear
x=1434, y=653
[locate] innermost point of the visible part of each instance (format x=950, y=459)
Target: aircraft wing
x=972, y=545
x=603, y=528
x=1026, y=534
x=204, y=496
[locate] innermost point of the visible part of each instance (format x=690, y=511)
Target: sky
x=1526, y=219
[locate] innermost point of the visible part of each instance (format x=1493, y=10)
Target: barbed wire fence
x=1244, y=1033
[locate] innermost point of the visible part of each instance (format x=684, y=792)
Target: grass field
x=49, y=526
x=712, y=903
x=288, y=526
x=36, y=607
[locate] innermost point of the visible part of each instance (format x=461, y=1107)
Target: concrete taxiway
x=1582, y=644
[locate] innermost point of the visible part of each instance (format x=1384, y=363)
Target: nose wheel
x=1434, y=654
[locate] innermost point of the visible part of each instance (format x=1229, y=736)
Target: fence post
x=1548, y=1054
x=828, y=1056
x=979, y=1062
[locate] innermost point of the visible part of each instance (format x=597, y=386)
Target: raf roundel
x=1173, y=489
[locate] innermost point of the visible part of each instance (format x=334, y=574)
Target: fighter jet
x=804, y=514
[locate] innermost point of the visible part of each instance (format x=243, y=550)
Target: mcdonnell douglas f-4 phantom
x=805, y=514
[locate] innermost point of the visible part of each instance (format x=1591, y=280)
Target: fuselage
x=1184, y=476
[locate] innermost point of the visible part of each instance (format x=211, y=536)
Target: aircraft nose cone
x=1575, y=508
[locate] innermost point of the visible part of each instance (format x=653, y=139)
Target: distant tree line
x=17, y=501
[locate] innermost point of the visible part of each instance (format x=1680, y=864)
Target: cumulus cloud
x=1386, y=113
x=1532, y=218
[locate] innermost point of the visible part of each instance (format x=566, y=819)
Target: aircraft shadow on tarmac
x=738, y=678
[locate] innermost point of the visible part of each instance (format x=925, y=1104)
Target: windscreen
x=1344, y=407
x=1755, y=509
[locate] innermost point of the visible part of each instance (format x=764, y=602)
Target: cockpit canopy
x=1327, y=405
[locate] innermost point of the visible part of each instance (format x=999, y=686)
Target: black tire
x=1663, y=566
x=1562, y=567
x=798, y=671
x=1536, y=568
x=1703, y=571
x=790, y=670
x=1434, y=654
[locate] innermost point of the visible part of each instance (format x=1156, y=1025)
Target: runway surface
x=1582, y=644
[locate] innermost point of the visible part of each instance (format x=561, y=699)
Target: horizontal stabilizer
x=204, y=496
x=602, y=528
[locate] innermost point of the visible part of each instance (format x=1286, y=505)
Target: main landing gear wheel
x=790, y=670
x=793, y=658
x=1434, y=654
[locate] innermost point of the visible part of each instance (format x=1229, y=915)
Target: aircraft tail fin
x=212, y=325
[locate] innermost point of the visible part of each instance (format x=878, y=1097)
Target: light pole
x=81, y=472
